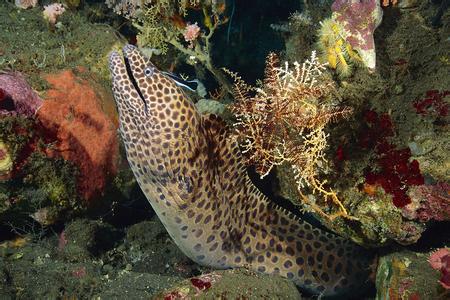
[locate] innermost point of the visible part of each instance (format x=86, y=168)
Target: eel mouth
x=134, y=82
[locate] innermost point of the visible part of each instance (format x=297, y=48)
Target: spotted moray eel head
x=157, y=121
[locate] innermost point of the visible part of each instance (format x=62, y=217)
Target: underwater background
x=340, y=109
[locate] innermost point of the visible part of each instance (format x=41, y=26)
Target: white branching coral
x=127, y=8
x=52, y=12
x=284, y=122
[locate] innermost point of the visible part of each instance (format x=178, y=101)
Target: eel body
x=191, y=171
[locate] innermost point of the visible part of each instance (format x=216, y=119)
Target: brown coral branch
x=283, y=121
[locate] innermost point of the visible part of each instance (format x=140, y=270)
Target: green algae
x=30, y=46
x=45, y=189
x=16, y=132
x=56, y=177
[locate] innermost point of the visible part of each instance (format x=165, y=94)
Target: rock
x=84, y=133
x=135, y=285
x=407, y=275
x=207, y=106
x=153, y=251
x=408, y=3
x=83, y=239
x=232, y=284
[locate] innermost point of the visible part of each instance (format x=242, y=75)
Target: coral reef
x=16, y=96
x=84, y=134
x=49, y=189
x=360, y=19
x=379, y=222
x=52, y=12
x=335, y=49
x=386, y=3
x=18, y=135
x=284, y=122
x=191, y=33
x=77, y=42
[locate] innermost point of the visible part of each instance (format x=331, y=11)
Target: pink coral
x=436, y=258
x=440, y=260
x=191, y=33
x=26, y=3
x=16, y=96
x=430, y=202
x=53, y=11
x=358, y=20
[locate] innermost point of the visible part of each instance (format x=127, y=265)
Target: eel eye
x=148, y=71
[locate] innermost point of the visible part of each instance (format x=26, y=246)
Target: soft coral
x=396, y=172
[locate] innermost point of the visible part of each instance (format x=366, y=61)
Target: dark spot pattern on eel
x=191, y=172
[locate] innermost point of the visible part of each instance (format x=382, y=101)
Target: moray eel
x=191, y=171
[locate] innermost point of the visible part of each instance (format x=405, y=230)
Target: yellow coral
x=6, y=162
x=334, y=48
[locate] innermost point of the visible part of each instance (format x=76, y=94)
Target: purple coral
x=16, y=96
x=358, y=17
